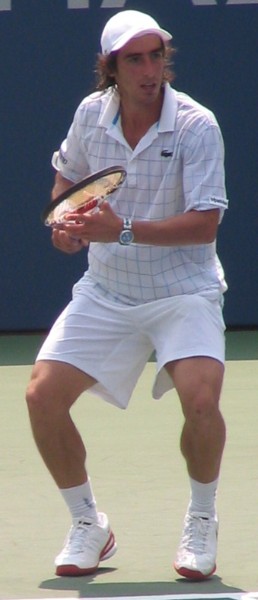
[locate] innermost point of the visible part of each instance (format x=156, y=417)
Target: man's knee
x=200, y=402
x=201, y=405
x=198, y=383
x=36, y=394
x=55, y=386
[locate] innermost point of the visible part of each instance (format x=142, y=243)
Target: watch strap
x=127, y=223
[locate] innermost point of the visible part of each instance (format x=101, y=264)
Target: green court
x=139, y=479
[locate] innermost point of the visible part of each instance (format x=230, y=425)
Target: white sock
x=80, y=501
x=203, y=497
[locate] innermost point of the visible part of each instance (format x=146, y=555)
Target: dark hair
x=106, y=65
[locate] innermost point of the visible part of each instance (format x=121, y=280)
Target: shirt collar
x=169, y=110
x=110, y=112
x=109, y=115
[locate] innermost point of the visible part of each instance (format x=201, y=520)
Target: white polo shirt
x=176, y=167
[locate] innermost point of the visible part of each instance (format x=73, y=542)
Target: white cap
x=128, y=24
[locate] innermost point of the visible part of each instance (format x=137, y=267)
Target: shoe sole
x=194, y=575
x=73, y=571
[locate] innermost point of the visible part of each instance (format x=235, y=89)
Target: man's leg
x=53, y=389
x=198, y=382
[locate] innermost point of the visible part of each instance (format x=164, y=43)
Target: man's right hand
x=66, y=243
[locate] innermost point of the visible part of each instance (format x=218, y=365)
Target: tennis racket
x=83, y=197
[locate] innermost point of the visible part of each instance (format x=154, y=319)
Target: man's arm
x=61, y=185
x=193, y=227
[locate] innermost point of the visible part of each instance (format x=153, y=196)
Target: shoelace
x=195, y=534
x=78, y=536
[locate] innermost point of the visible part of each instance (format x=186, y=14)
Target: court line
x=225, y=596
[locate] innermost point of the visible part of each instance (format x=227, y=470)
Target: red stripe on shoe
x=108, y=547
x=191, y=574
x=74, y=571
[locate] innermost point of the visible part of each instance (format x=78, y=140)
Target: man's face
x=140, y=68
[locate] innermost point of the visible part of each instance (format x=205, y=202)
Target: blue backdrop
x=48, y=52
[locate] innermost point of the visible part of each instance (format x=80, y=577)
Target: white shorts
x=112, y=342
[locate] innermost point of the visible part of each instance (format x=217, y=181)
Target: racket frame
x=80, y=185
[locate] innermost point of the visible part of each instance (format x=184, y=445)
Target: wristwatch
x=126, y=236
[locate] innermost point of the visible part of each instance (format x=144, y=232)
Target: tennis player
x=154, y=283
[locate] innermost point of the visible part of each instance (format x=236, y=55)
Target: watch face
x=126, y=236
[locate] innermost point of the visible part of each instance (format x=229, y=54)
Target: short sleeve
x=203, y=169
x=71, y=159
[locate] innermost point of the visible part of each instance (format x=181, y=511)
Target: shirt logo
x=62, y=158
x=166, y=152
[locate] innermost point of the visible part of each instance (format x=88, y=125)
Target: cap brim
x=127, y=36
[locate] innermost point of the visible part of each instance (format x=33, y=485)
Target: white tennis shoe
x=88, y=542
x=196, y=556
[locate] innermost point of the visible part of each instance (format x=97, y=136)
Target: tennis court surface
x=139, y=480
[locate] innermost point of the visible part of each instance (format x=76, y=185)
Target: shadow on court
x=84, y=588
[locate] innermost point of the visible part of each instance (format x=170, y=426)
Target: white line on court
x=225, y=596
